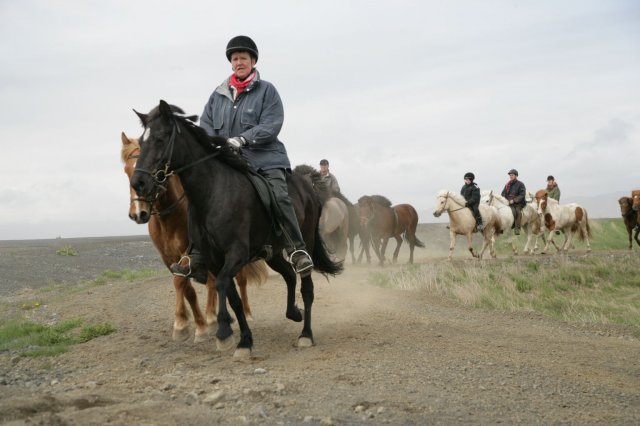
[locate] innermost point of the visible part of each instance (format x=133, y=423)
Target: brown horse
x=384, y=221
x=635, y=199
x=168, y=231
x=631, y=219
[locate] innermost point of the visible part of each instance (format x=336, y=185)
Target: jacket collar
x=225, y=91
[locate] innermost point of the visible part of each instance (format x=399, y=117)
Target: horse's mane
x=456, y=197
x=128, y=149
x=378, y=199
x=320, y=186
x=209, y=143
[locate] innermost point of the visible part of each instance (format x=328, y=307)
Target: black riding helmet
x=242, y=44
x=512, y=172
x=469, y=175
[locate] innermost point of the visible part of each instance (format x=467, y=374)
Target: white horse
x=529, y=220
x=462, y=222
x=568, y=218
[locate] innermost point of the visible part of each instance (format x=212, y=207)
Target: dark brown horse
x=631, y=218
x=384, y=221
x=168, y=231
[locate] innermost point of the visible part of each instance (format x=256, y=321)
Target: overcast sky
x=402, y=97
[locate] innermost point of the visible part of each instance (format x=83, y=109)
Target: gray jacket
x=257, y=115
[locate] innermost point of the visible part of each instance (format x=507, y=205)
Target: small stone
x=279, y=387
x=242, y=420
x=191, y=398
x=213, y=398
x=54, y=382
x=259, y=371
x=326, y=421
x=359, y=409
x=308, y=419
x=380, y=410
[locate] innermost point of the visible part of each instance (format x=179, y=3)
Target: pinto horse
x=229, y=219
x=168, y=232
x=462, y=222
x=568, y=218
x=529, y=220
x=631, y=219
x=384, y=221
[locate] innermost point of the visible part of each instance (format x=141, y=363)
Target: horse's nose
x=436, y=213
x=137, y=183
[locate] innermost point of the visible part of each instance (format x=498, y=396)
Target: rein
x=160, y=175
x=446, y=198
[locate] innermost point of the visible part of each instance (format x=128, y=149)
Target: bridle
x=163, y=171
x=446, y=197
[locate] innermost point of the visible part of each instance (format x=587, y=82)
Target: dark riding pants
x=475, y=209
x=516, y=209
x=278, y=182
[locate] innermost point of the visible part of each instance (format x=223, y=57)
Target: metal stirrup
x=290, y=260
x=180, y=274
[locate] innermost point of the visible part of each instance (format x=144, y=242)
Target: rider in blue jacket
x=248, y=112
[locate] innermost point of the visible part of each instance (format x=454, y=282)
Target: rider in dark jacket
x=471, y=194
x=515, y=192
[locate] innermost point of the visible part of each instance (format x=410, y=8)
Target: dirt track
x=381, y=357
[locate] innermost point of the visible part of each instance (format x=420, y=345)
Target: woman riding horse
x=249, y=113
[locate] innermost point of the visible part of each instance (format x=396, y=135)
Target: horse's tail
x=586, y=231
x=321, y=261
x=416, y=242
x=255, y=272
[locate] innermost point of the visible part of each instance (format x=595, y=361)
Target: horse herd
x=161, y=199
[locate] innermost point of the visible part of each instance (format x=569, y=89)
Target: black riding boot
x=479, y=225
x=191, y=266
x=296, y=250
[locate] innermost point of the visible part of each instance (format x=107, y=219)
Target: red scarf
x=240, y=86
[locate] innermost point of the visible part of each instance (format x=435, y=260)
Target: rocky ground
x=381, y=356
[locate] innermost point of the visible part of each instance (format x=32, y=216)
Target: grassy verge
x=30, y=339
x=587, y=289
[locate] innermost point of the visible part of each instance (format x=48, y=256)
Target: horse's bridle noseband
x=160, y=173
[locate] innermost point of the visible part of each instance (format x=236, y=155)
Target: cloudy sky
x=402, y=97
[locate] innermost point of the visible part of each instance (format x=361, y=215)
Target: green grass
x=594, y=288
x=66, y=251
x=30, y=339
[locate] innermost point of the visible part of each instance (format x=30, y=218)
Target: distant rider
x=471, y=194
x=515, y=191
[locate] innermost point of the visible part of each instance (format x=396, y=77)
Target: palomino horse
x=529, y=220
x=462, y=222
x=384, y=221
x=168, y=231
x=631, y=219
x=229, y=222
x=569, y=218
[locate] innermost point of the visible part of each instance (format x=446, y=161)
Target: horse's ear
x=125, y=139
x=165, y=109
x=142, y=117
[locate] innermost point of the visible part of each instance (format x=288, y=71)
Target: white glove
x=237, y=142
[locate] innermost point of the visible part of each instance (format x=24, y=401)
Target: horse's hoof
x=225, y=345
x=248, y=317
x=305, y=342
x=180, y=335
x=200, y=337
x=242, y=353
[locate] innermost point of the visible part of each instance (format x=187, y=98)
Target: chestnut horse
x=462, y=222
x=631, y=219
x=384, y=221
x=635, y=198
x=568, y=218
x=168, y=231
